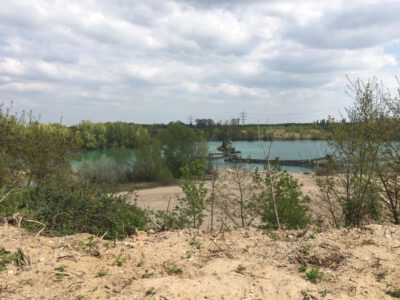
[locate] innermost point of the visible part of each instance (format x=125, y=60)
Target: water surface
x=284, y=150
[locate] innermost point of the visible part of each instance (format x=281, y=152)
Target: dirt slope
x=357, y=264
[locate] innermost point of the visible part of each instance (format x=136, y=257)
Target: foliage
x=149, y=164
x=353, y=193
x=389, y=168
x=168, y=220
x=292, y=205
x=174, y=269
x=395, y=293
x=314, y=275
x=74, y=208
x=106, y=135
x=6, y=258
x=190, y=210
x=31, y=152
x=192, y=206
x=181, y=146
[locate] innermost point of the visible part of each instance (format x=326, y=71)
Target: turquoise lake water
x=285, y=150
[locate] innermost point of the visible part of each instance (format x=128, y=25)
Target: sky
x=153, y=61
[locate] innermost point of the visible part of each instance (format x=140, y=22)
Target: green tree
x=149, y=165
x=47, y=151
x=352, y=192
x=181, y=146
x=32, y=151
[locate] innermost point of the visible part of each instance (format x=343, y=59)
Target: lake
x=285, y=150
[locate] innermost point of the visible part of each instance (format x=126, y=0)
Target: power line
x=243, y=116
x=190, y=119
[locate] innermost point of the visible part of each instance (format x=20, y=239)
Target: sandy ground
x=240, y=264
x=158, y=197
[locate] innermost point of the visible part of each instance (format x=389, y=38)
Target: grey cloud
x=156, y=61
x=355, y=27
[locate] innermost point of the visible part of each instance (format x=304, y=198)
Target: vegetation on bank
x=128, y=135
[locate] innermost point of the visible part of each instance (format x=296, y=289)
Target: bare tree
x=237, y=201
x=269, y=169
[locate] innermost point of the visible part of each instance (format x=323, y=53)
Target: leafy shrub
x=314, y=275
x=192, y=205
x=74, y=208
x=190, y=210
x=292, y=205
x=169, y=220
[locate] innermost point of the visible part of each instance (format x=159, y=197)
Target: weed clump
x=173, y=269
x=7, y=257
x=314, y=275
x=395, y=293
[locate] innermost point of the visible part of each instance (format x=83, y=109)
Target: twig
x=40, y=223
x=69, y=257
x=8, y=193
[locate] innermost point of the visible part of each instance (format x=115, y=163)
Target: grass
x=120, y=260
x=305, y=248
x=147, y=274
x=101, y=273
x=109, y=244
x=173, y=269
x=314, y=275
x=395, y=293
x=196, y=243
x=60, y=273
x=302, y=268
x=240, y=269
x=368, y=242
x=6, y=258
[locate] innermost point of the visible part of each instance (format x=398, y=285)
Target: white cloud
x=156, y=61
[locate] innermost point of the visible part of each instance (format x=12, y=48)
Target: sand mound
x=188, y=264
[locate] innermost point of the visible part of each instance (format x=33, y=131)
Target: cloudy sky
x=156, y=61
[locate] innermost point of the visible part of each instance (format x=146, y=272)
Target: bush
x=73, y=208
x=292, y=205
x=192, y=206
